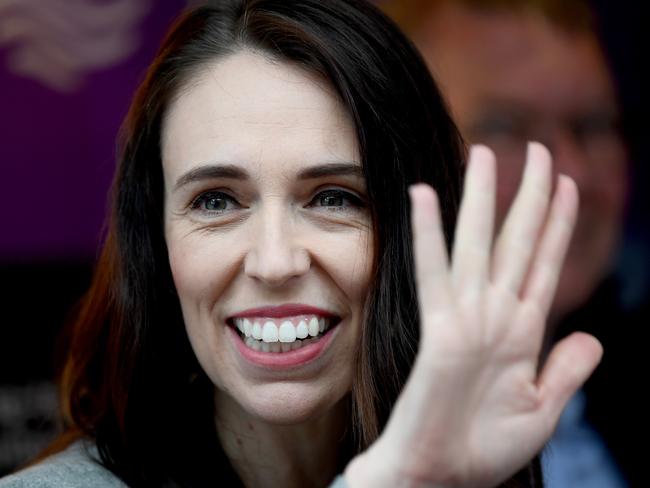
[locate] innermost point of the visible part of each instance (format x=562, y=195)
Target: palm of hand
x=475, y=408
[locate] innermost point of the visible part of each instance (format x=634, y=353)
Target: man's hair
x=570, y=15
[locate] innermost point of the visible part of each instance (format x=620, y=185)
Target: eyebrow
x=234, y=172
x=331, y=169
x=210, y=172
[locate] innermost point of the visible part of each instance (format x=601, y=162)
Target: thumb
x=570, y=363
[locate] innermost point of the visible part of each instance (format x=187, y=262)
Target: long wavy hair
x=131, y=381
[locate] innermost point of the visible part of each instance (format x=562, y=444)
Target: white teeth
x=269, y=335
x=238, y=324
x=256, y=331
x=270, y=332
x=287, y=332
x=247, y=327
x=277, y=347
x=302, y=330
x=313, y=327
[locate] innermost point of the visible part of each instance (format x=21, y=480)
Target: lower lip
x=283, y=360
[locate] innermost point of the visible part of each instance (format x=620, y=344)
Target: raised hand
x=477, y=406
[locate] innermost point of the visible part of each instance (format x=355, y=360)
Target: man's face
x=514, y=77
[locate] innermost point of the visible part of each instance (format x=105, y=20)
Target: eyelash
x=205, y=197
x=352, y=199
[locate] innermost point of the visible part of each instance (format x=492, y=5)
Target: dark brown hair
x=131, y=381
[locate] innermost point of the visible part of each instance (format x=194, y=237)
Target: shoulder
x=76, y=467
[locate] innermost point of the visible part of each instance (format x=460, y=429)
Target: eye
x=502, y=128
x=336, y=200
x=214, y=202
x=595, y=126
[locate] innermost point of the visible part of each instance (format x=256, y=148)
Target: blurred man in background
x=515, y=71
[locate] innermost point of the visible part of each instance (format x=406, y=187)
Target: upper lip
x=285, y=310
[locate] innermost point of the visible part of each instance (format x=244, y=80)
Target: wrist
x=375, y=468
x=360, y=473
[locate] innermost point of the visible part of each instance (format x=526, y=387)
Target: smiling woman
x=277, y=241
x=261, y=301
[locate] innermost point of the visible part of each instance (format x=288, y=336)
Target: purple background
x=57, y=152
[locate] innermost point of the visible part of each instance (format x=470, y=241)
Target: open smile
x=281, y=335
x=287, y=335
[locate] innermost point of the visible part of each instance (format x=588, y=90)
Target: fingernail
x=476, y=149
x=538, y=147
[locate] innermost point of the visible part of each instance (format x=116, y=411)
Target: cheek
x=349, y=261
x=197, y=271
x=609, y=177
x=616, y=192
x=187, y=276
x=198, y=275
x=602, y=208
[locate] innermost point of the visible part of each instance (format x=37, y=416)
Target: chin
x=290, y=404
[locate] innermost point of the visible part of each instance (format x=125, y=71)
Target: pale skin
x=274, y=242
x=474, y=409
x=304, y=454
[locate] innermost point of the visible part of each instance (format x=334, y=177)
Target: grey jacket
x=76, y=467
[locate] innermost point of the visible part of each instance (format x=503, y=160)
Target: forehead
x=250, y=109
x=514, y=56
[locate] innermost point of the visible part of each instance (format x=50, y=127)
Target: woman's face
x=268, y=233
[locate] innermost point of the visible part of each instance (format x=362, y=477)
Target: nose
x=277, y=253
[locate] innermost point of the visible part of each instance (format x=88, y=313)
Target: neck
x=266, y=454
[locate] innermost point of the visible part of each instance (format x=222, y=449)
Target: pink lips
x=289, y=359
x=279, y=311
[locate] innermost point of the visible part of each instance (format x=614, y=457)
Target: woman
x=255, y=316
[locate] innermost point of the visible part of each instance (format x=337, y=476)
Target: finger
x=473, y=242
x=555, y=239
x=516, y=242
x=430, y=253
x=568, y=366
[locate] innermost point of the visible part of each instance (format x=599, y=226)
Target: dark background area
x=68, y=71
x=57, y=153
